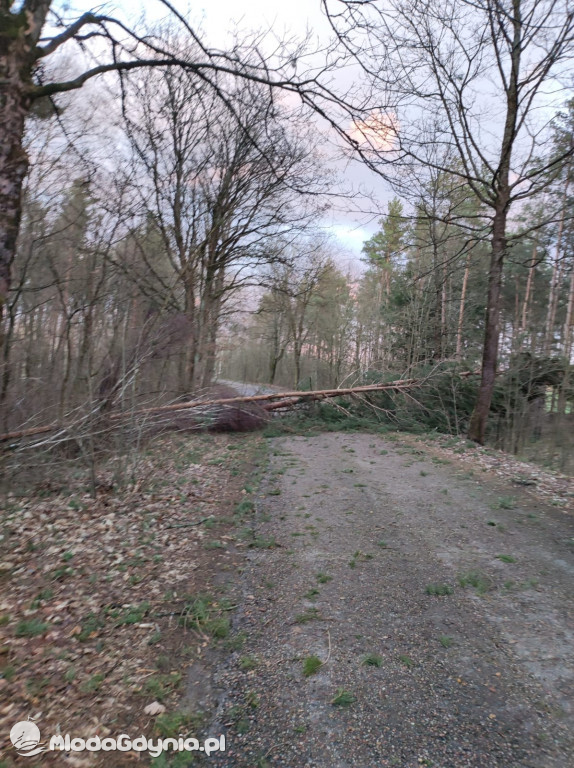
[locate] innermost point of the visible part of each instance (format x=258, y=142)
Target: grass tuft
x=309, y=615
x=343, y=698
x=31, y=628
x=474, y=579
x=311, y=665
x=439, y=589
x=248, y=663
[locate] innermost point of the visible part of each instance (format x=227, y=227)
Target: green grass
x=445, y=641
x=31, y=628
x=60, y=573
x=8, y=673
x=244, y=507
x=218, y=628
x=252, y=699
x=214, y=544
x=506, y=502
x=474, y=579
x=70, y=675
x=312, y=594
x=43, y=595
x=439, y=589
x=94, y=684
x=202, y=613
x=407, y=661
x=324, y=578
x=248, y=662
x=309, y=615
x=134, y=614
x=311, y=665
x=236, y=642
x=343, y=698
x=372, y=660
x=261, y=542
x=90, y=626
x=382, y=543
x=170, y=725
x=506, y=558
x=160, y=686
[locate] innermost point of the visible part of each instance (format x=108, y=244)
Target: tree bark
x=556, y=274
x=461, y=310
x=477, y=427
x=567, y=329
x=526, y=303
x=14, y=106
x=19, y=35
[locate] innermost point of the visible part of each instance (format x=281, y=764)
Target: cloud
x=378, y=132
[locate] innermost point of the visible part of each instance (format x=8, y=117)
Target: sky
x=297, y=17
x=283, y=18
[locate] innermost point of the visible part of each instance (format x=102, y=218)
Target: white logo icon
x=25, y=736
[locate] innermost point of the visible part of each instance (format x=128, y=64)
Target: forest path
x=367, y=526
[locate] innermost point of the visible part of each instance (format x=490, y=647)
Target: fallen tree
x=268, y=402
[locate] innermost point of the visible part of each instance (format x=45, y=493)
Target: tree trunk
x=461, y=310
x=19, y=35
x=556, y=274
x=14, y=106
x=477, y=427
x=567, y=330
x=526, y=303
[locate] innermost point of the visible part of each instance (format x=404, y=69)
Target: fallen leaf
x=155, y=708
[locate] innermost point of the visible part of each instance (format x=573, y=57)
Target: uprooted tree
x=420, y=116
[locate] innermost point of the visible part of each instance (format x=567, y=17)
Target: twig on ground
x=329, y=652
x=188, y=525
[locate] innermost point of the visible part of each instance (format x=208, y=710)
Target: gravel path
x=480, y=677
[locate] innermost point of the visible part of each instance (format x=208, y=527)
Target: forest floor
x=415, y=611
x=108, y=602
x=332, y=600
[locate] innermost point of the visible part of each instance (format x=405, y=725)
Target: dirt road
x=438, y=607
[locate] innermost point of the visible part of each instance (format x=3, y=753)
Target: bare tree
x=33, y=34
x=221, y=194
x=465, y=79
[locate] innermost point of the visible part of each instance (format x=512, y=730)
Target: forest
x=168, y=217
x=286, y=383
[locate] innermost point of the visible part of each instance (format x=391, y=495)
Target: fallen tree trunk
x=284, y=400
x=316, y=394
